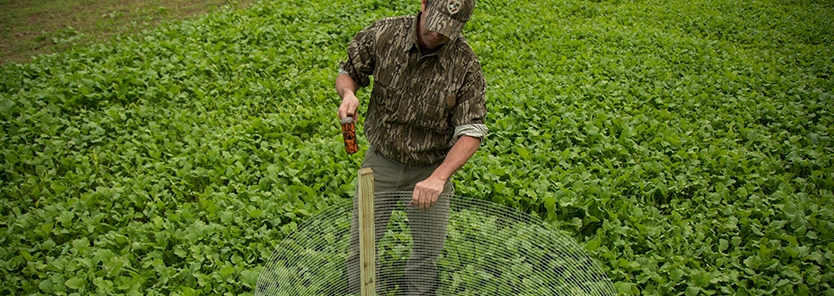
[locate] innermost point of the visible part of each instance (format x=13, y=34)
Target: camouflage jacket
x=418, y=100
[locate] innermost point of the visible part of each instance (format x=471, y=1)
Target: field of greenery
x=687, y=145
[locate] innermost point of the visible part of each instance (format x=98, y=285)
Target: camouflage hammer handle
x=349, y=135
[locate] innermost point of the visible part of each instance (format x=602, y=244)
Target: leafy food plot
x=686, y=145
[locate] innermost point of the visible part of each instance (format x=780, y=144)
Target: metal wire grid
x=489, y=249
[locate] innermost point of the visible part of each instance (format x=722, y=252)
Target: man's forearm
x=345, y=84
x=460, y=153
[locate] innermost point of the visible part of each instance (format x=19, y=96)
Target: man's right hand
x=346, y=88
x=349, y=107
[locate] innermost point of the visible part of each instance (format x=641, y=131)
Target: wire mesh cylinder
x=488, y=249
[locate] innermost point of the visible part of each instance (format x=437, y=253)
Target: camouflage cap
x=448, y=17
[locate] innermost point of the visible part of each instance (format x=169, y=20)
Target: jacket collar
x=415, y=43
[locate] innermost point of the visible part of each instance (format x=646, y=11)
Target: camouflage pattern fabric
x=417, y=99
x=448, y=17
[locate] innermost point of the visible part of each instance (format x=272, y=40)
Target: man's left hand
x=426, y=193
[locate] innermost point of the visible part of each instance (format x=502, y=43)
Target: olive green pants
x=428, y=227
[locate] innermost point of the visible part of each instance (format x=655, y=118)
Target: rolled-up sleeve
x=477, y=130
x=360, y=57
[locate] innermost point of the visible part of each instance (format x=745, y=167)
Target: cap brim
x=443, y=24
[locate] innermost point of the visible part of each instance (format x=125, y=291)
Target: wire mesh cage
x=487, y=249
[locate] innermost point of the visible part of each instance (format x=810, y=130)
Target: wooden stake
x=367, y=243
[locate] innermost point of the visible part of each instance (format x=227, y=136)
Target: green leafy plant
x=686, y=144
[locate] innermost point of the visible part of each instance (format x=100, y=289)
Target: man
x=425, y=120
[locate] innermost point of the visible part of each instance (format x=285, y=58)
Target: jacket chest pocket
x=384, y=100
x=430, y=110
